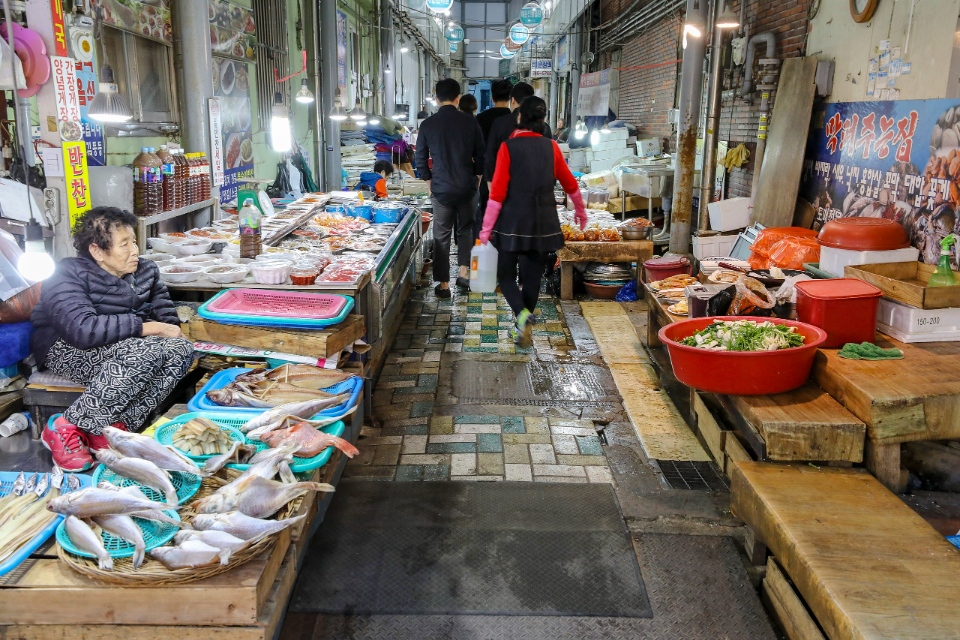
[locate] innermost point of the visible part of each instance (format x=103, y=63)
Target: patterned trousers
x=125, y=381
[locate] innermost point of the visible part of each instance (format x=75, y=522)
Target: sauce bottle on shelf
x=169, y=179
x=182, y=173
x=204, y=177
x=192, y=187
x=147, y=188
x=249, y=218
x=141, y=166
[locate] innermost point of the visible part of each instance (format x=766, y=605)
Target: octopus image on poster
x=888, y=159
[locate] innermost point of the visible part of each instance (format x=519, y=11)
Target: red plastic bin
x=662, y=268
x=846, y=308
x=741, y=373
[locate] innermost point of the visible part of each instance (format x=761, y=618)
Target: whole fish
x=91, y=501
x=266, y=394
x=241, y=525
x=140, y=470
x=255, y=496
x=301, y=375
x=312, y=441
x=214, y=464
x=154, y=514
x=189, y=555
x=303, y=409
x=125, y=528
x=138, y=446
x=288, y=420
x=228, y=544
x=227, y=397
x=85, y=539
x=269, y=462
x=73, y=482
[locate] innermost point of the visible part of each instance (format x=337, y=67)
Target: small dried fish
x=202, y=437
x=301, y=375
x=285, y=421
x=298, y=409
x=85, y=539
x=241, y=525
x=214, y=464
x=228, y=544
x=139, y=446
x=189, y=555
x=125, y=528
x=311, y=441
x=73, y=482
x=255, y=496
x=140, y=470
x=269, y=462
x=91, y=501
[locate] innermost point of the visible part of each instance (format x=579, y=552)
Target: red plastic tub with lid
x=846, y=308
x=662, y=268
x=741, y=373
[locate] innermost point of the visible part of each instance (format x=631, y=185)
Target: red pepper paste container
x=846, y=308
x=661, y=268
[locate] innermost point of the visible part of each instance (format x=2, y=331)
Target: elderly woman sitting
x=105, y=320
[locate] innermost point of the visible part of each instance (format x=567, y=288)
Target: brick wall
x=647, y=94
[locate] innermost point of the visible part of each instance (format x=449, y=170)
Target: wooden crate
x=906, y=282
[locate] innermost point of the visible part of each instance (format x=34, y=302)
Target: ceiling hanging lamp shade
x=304, y=96
x=357, y=114
x=108, y=105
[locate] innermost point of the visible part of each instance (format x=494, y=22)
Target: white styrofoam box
x=707, y=246
x=834, y=260
x=619, y=133
x=942, y=336
x=564, y=147
x=648, y=147
x=730, y=214
x=602, y=165
x=909, y=320
x=578, y=157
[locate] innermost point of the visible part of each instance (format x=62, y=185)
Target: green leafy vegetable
x=744, y=335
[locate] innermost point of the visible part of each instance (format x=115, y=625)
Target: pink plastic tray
x=278, y=304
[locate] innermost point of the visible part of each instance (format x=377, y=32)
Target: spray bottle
x=944, y=275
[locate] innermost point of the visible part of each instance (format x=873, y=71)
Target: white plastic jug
x=483, y=268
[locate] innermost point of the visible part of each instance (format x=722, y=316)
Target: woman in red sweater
x=521, y=216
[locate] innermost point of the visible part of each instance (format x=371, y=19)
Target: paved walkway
x=458, y=401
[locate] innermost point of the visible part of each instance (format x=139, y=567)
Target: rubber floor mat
x=472, y=548
x=545, y=382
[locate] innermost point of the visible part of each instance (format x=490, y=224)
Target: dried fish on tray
x=202, y=437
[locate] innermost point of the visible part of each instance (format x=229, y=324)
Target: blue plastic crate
x=164, y=433
x=155, y=534
x=219, y=380
x=186, y=484
x=276, y=323
x=7, y=478
x=14, y=342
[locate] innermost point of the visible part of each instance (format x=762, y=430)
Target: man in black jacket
x=499, y=133
x=500, y=92
x=454, y=141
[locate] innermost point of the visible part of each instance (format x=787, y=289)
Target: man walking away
x=500, y=92
x=454, y=141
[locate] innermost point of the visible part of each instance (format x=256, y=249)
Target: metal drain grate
x=533, y=383
x=695, y=476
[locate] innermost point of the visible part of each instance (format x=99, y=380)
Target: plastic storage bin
x=834, y=260
x=845, y=308
x=660, y=268
x=910, y=324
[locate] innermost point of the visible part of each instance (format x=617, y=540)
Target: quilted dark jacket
x=88, y=307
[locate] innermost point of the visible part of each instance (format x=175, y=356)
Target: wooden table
x=624, y=251
x=866, y=565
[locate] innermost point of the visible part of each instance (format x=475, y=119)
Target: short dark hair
x=533, y=114
x=447, y=90
x=383, y=165
x=500, y=90
x=97, y=226
x=468, y=103
x=521, y=91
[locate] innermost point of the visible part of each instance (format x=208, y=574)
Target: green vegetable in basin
x=744, y=335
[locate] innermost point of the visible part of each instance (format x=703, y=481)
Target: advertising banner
x=231, y=84
x=888, y=159
x=147, y=18
x=563, y=53
x=77, y=179
x=594, y=99
x=342, y=58
x=541, y=68
x=233, y=30
x=216, y=142
x=68, y=102
x=92, y=130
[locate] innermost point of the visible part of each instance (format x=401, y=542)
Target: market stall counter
x=608, y=252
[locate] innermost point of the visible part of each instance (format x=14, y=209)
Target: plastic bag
x=751, y=298
x=628, y=293
x=791, y=253
x=767, y=238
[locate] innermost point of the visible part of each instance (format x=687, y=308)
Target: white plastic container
x=719, y=245
x=483, y=268
x=834, y=260
x=271, y=271
x=938, y=324
x=730, y=214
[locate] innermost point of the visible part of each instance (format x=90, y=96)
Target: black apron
x=528, y=221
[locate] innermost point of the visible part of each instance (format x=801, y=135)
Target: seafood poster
x=231, y=83
x=150, y=19
x=233, y=31
x=888, y=159
x=342, y=57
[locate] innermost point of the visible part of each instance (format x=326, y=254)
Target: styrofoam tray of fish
x=8, y=481
x=910, y=320
x=219, y=380
x=896, y=334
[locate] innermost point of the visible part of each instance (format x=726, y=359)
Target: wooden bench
x=866, y=565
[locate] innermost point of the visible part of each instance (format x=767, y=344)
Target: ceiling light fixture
x=304, y=96
x=108, y=105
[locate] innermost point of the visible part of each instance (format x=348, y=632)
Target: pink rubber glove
x=580, y=213
x=490, y=220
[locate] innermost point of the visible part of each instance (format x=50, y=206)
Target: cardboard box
x=730, y=214
x=648, y=147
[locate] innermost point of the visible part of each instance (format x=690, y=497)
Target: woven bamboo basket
x=153, y=573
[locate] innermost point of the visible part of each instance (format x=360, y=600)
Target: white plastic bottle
x=483, y=268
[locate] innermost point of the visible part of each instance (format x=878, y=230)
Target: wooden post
x=755, y=549
x=883, y=461
x=566, y=280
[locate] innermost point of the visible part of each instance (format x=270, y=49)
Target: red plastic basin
x=741, y=373
x=846, y=308
x=662, y=268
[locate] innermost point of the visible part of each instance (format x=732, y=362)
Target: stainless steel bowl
x=636, y=233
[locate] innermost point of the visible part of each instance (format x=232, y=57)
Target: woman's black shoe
x=441, y=292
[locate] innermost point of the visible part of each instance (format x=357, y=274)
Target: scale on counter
x=254, y=190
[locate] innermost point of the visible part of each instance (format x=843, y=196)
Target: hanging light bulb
x=605, y=129
x=280, y=137
x=362, y=123
x=373, y=121
x=108, y=105
x=727, y=18
x=357, y=113
x=403, y=45
x=579, y=129
x=694, y=26
x=338, y=113
x=304, y=96
x=594, y=138
x=35, y=264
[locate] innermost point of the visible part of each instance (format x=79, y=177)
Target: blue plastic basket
x=186, y=484
x=219, y=380
x=300, y=465
x=284, y=323
x=7, y=478
x=164, y=433
x=155, y=534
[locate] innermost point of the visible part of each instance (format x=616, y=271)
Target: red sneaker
x=65, y=442
x=97, y=442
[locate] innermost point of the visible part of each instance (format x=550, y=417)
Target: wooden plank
x=866, y=565
x=755, y=548
x=787, y=608
x=318, y=344
x=779, y=179
x=883, y=461
x=805, y=424
x=623, y=251
x=906, y=282
x=128, y=632
x=710, y=430
x=917, y=398
x=734, y=451
x=566, y=281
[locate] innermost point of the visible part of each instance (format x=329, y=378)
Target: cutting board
x=779, y=179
